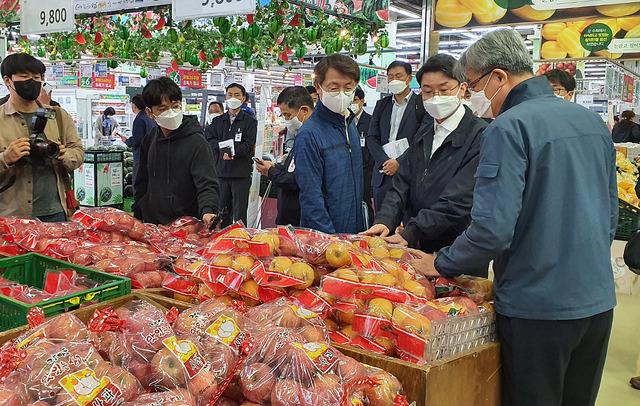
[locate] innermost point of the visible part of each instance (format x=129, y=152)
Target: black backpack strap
x=420, y=111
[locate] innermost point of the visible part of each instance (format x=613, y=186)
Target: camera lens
x=44, y=149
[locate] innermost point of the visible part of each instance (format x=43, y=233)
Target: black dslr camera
x=42, y=149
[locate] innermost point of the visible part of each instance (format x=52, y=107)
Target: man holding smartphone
x=296, y=106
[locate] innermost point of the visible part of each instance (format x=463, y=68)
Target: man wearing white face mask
x=562, y=83
x=296, y=106
x=175, y=177
x=327, y=153
x=541, y=158
x=394, y=118
x=232, y=137
x=433, y=190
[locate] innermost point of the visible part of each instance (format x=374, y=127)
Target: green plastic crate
x=30, y=269
x=628, y=220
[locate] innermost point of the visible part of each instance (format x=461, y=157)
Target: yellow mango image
x=492, y=16
x=633, y=33
x=628, y=23
x=478, y=6
x=619, y=10
x=550, y=31
x=450, y=13
x=606, y=54
x=551, y=50
x=528, y=13
x=612, y=23
x=580, y=25
x=569, y=40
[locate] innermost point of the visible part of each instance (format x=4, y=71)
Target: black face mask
x=28, y=89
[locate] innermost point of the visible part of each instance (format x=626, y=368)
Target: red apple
x=385, y=393
x=257, y=381
x=221, y=358
x=313, y=334
x=286, y=393
x=226, y=402
x=329, y=389
x=203, y=386
x=167, y=372
x=9, y=398
x=124, y=380
x=297, y=365
x=350, y=369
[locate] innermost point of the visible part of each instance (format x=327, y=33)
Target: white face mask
x=468, y=104
x=233, y=103
x=338, y=102
x=293, y=125
x=214, y=115
x=397, y=86
x=481, y=103
x=440, y=107
x=170, y=119
x=355, y=108
x=559, y=97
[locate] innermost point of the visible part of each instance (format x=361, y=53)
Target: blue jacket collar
x=329, y=116
x=529, y=89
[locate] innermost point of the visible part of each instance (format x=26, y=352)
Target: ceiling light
x=404, y=12
x=411, y=33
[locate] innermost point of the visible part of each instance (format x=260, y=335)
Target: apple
x=257, y=381
x=237, y=233
x=193, y=321
x=280, y=265
x=234, y=391
x=68, y=327
x=381, y=308
x=331, y=324
x=338, y=255
x=250, y=289
x=329, y=389
x=388, y=344
x=221, y=359
x=380, y=252
x=243, y=264
x=313, y=334
x=348, y=331
x=319, y=272
x=124, y=380
x=223, y=260
x=225, y=402
x=396, y=252
x=349, y=369
x=290, y=248
x=287, y=317
x=302, y=271
x=167, y=370
x=9, y=398
x=346, y=317
x=347, y=274
x=273, y=345
x=385, y=393
x=374, y=242
x=297, y=365
x=203, y=386
x=245, y=403
x=286, y=392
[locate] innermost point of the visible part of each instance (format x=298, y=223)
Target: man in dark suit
x=363, y=121
x=395, y=117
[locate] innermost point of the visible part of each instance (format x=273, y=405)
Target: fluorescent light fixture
x=410, y=21
x=404, y=12
x=411, y=33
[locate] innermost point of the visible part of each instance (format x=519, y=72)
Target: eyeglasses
x=560, y=92
x=472, y=85
x=431, y=94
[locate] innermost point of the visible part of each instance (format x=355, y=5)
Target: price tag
x=41, y=17
x=184, y=10
x=562, y=4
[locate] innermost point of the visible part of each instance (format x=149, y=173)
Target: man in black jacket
x=394, y=118
x=363, y=122
x=142, y=125
x=176, y=177
x=433, y=190
x=232, y=137
x=296, y=106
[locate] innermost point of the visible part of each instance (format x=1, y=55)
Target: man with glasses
x=545, y=209
x=562, y=83
x=433, y=191
x=176, y=177
x=327, y=153
x=395, y=117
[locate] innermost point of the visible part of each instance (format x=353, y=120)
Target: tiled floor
x=623, y=355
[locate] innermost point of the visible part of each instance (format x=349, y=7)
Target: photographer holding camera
x=39, y=145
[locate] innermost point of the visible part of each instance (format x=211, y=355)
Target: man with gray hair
x=545, y=210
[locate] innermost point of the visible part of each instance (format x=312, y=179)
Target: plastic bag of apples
x=144, y=269
x=111, y=220
x=259, y=243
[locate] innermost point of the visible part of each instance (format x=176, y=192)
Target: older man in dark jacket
x=433, y=190
x=327, y=153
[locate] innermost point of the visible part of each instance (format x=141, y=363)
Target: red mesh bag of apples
x=144, y=269
x=190, y=229
x=111, y=220
x=259, y=243
x=91, y=253
x=335, y=253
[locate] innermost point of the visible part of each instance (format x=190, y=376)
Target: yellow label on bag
x=226, y=330
x=87, y=390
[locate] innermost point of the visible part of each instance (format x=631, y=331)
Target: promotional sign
x=86, y=76
x=58, y=72
x=478, y=13
x=123, y=80
x=42, y=17
x=92, y=6
x=134, y=81
x=627, y=86
x=184, y=10
x=101, y=69
x=612, y=38
x=186, y=78
x=69, y=80
x=104, y=83
x=154, y=73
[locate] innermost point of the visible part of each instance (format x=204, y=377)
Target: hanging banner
x=154, y=73
x=92, y=6
x=69, y=80
x=104, y=83
x=86, y=76
x=186, y=78
x=101, y=69
x=123, y=80
x=627, y=94
x=42, y=17
x=184, y=10
x=134, y=81
x=478, y=13
x=58, y=72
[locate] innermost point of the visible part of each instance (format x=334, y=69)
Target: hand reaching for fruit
x=424, y=263
x=397, y=239
x=378, y=230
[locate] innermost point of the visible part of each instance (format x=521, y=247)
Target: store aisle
x=622, y=358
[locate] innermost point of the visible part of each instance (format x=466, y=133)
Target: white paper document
x=228, y=144
x=396, y=148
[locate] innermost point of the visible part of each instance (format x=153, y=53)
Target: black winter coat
x=626, y=131
x=176, y=177
x=243, y=131
x=435, y=193
x=284, y=178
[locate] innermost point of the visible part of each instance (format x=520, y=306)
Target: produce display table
x=100, y=180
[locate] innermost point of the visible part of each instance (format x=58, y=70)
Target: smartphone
x=255, y=159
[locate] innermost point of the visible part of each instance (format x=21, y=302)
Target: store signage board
x=101, y=69
x=69, y=81
x=58, y=72
x=134, y=81
x=560, y=4
x=184, y=10
x=624, y=45
x=154, y=73
x=186, y=78
x=93, y=6
x=43, y=17
x=123, y=80
x=104, y=83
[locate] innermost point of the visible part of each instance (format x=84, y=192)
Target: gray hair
x=503, y=49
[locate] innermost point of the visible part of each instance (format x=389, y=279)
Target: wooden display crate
x=469, y=378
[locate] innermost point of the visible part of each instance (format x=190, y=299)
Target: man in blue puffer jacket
x=327, y=153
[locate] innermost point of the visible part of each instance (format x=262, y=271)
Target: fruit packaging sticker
x=86, y=389
x=188, y=355
x=225, y=330
x=324, y=358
